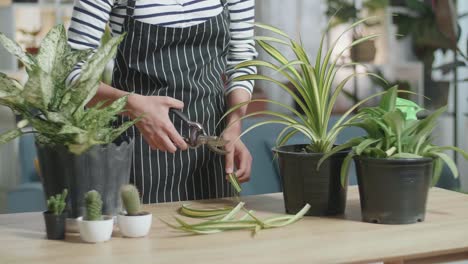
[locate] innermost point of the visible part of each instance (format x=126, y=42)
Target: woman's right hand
x=155, y=125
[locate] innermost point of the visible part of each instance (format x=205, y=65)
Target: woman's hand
x=238, y=155
x=155, y=125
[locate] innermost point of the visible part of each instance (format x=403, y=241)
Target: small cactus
x=130, y=199
x=56, y=204
x=93, y=203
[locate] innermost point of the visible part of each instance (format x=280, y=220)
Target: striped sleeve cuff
x=247, y=85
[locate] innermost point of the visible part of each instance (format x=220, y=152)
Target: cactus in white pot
x=134, y=222
x=94, y=227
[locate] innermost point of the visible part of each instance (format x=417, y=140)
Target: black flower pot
x=103, y=168
x=55, y=225
x=303, y=183
x=393, y=191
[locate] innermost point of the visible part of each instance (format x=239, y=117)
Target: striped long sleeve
x=242, y=45
x=90, y=18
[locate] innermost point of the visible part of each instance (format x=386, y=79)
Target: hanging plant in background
x=58, y=113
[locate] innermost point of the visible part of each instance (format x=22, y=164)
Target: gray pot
x=103, y=168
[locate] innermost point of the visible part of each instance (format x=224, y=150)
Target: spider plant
x=394, y=132
x=314, y=82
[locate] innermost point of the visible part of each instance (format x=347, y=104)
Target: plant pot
x=96, y=231
x=303, y=184
x=103, y=168
x=363, y=52
x=135, y=225
x=393, y=191
x=55, y=225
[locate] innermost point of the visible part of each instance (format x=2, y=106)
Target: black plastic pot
x=55, y=225
x=393, y=191
x=303, y=184
x=103, y=168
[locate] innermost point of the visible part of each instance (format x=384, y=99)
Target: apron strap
x=224, y=3
x=130, y=7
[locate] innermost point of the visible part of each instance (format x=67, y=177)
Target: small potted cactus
x=94, y=227
x=55, y=216
x=133, y=222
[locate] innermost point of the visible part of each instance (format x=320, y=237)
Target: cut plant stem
x=234, y=182
x=204, y=213
x=229, y=222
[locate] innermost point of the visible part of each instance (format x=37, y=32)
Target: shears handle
x=196, y=129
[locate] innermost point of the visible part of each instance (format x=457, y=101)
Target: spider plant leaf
x=437, y=171
x=326, y=60
x=447, y=160
x=348, y=145
x=272, y=29
x=345, y=169
x=234, y=182
x=285, y=106
x=271, y=39
x=285, y=135
x=298, y=100
x=187, y=210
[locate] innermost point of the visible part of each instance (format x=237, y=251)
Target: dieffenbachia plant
x=394, y=132
x=314, y=82
x=57, y=112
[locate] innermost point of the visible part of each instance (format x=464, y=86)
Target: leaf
x=345, y=168
x=437, y=171
x=363, y=145
x=351, y=143
x=86, y=86
x=447, y=160
x=388, y=100
x=9, y=136
x=52, y=50
x=17, y=51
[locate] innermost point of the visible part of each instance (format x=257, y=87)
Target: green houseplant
x=56, y=215
x=432, y=26
x=316, y=96
x=74, y=143
x=396, y=161
x=134, y=222
x=94, y=227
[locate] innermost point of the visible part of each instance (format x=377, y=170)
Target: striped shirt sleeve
x=88, y=23
x=242, y=45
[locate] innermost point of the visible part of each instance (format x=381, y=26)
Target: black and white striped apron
x=186, y=64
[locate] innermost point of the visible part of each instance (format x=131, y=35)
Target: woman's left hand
x=238, y=155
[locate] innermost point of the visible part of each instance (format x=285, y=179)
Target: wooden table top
x=312, y=240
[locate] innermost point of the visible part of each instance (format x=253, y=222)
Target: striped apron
x=186, y=64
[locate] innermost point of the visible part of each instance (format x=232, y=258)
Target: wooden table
x=312, y=240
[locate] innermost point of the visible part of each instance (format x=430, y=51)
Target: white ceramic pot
x=96, y=231
x=134, y=225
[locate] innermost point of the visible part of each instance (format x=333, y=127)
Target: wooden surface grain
x=312, y=240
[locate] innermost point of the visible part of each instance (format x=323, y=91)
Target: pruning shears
x=198, y=136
